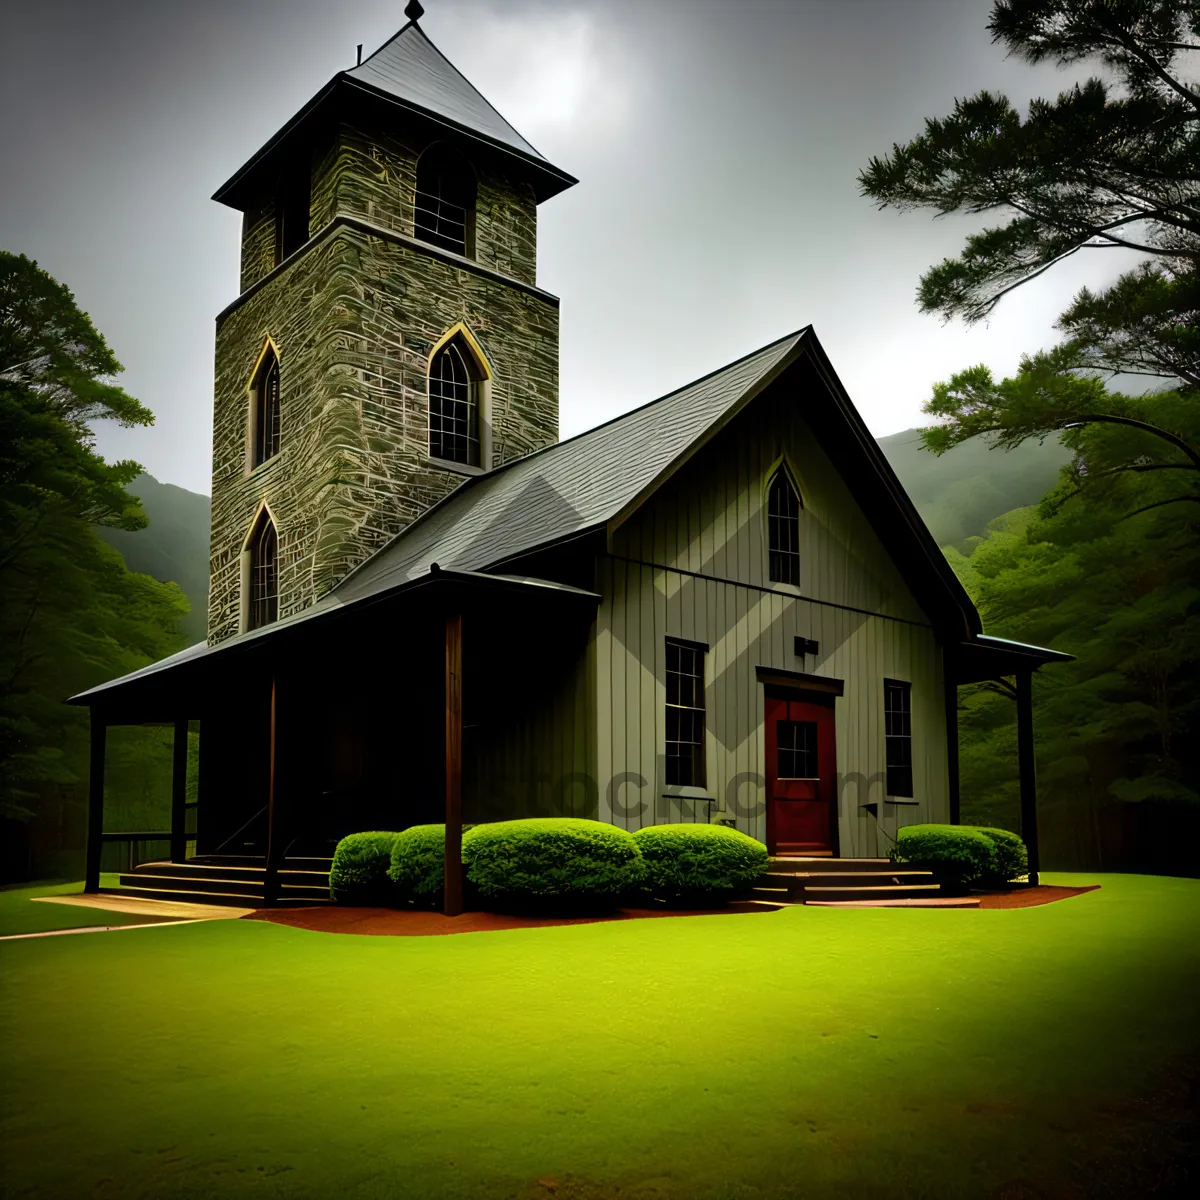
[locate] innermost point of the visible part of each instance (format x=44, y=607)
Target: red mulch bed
x=1030, y=897
x=386, y=921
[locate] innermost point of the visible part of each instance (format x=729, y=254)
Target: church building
x=423, y=606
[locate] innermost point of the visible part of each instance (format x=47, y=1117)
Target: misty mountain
x=174, y=547
x=960, y=492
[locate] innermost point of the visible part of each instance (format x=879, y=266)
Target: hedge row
x=963, y=855
x=551, y=862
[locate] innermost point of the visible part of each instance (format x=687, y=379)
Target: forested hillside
x=959, y=492
x=173, y=548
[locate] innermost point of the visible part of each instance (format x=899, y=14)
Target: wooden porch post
x=179, y=764
x=952, y=766
x=274, y=833
x=452, y=900
x=95, y=828
x=1027, y=769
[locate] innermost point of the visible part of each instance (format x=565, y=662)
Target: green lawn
x=18, y=913
x=804, y=1053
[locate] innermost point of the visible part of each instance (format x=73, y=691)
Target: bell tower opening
x=444, y=212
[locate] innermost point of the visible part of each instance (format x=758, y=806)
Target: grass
x=809, y=1052
x=19, y=915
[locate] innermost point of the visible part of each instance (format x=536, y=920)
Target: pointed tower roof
x=412, y=69
x=408, y=74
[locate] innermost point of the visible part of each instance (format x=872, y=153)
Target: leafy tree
x=71, y=615
x=1115, y=727
x=1099, y=167
x=1108, y=433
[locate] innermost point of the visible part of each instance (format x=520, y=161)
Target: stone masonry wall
x=375, y=177
x=258, y=244
x=355, y=318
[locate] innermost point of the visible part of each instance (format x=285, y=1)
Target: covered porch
x=1010, y=666
x=349, y=716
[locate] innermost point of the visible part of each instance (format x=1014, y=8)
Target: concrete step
x=237, y=900
x=297, y=863
x=197, y=869
x=186, y=895
x=876, y=892
x=808, y=866
x=233, y=885
x=842, y=878
x=779, y=895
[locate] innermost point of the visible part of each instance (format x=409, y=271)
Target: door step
x=906, y=891
x=793, y=865
x=231, y=879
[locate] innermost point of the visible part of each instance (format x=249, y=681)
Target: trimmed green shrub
x=418, y=865
x=359, y=874
x=962, y=855
x=1011, y=859
x=555, y=862
x=699, y=864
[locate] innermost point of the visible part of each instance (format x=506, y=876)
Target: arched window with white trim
x=454, y=402
x=783, y=530
x=263, y=580
x=264, y=409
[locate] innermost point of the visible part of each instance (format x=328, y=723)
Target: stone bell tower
x=389, y=340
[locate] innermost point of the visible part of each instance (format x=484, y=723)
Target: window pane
x=266, y=412
x=264, y=578
x=897, y=717
x=783, y=531
x=796, y=749
x=453, y=411
x=684, y=715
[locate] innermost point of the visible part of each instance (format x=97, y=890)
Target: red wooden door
x=801, y=775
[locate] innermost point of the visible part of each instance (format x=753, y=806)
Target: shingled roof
x=411, y=68
x=567, y=488
x=409, y=71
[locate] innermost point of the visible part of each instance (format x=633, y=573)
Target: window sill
x=684, y=792
x=262, y=466
x=448, y=464
x=889, y=800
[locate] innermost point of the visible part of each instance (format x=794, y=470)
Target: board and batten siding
x=692, y=563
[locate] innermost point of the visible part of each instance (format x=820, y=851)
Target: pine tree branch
x=1148, y=60
x=1144, y=426
x=1160, y=504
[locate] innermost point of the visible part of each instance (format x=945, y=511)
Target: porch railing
x=125, y=851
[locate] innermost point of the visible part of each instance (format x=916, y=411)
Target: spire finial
x=413, y=10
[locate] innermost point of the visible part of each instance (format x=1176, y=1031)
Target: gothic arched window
x=783, y=530
x=445, y=201
x=454, y=404
x=264, y=410
x=264, y=574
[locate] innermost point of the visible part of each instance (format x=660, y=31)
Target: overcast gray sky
x=121, y=119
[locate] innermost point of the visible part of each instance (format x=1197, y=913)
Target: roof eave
x=435, y=577
x=549, y=180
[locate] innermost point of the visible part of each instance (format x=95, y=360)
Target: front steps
x=228, y=879
x=847, y=881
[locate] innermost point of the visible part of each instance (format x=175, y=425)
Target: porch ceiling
x=987, y=657
x=173, y=687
